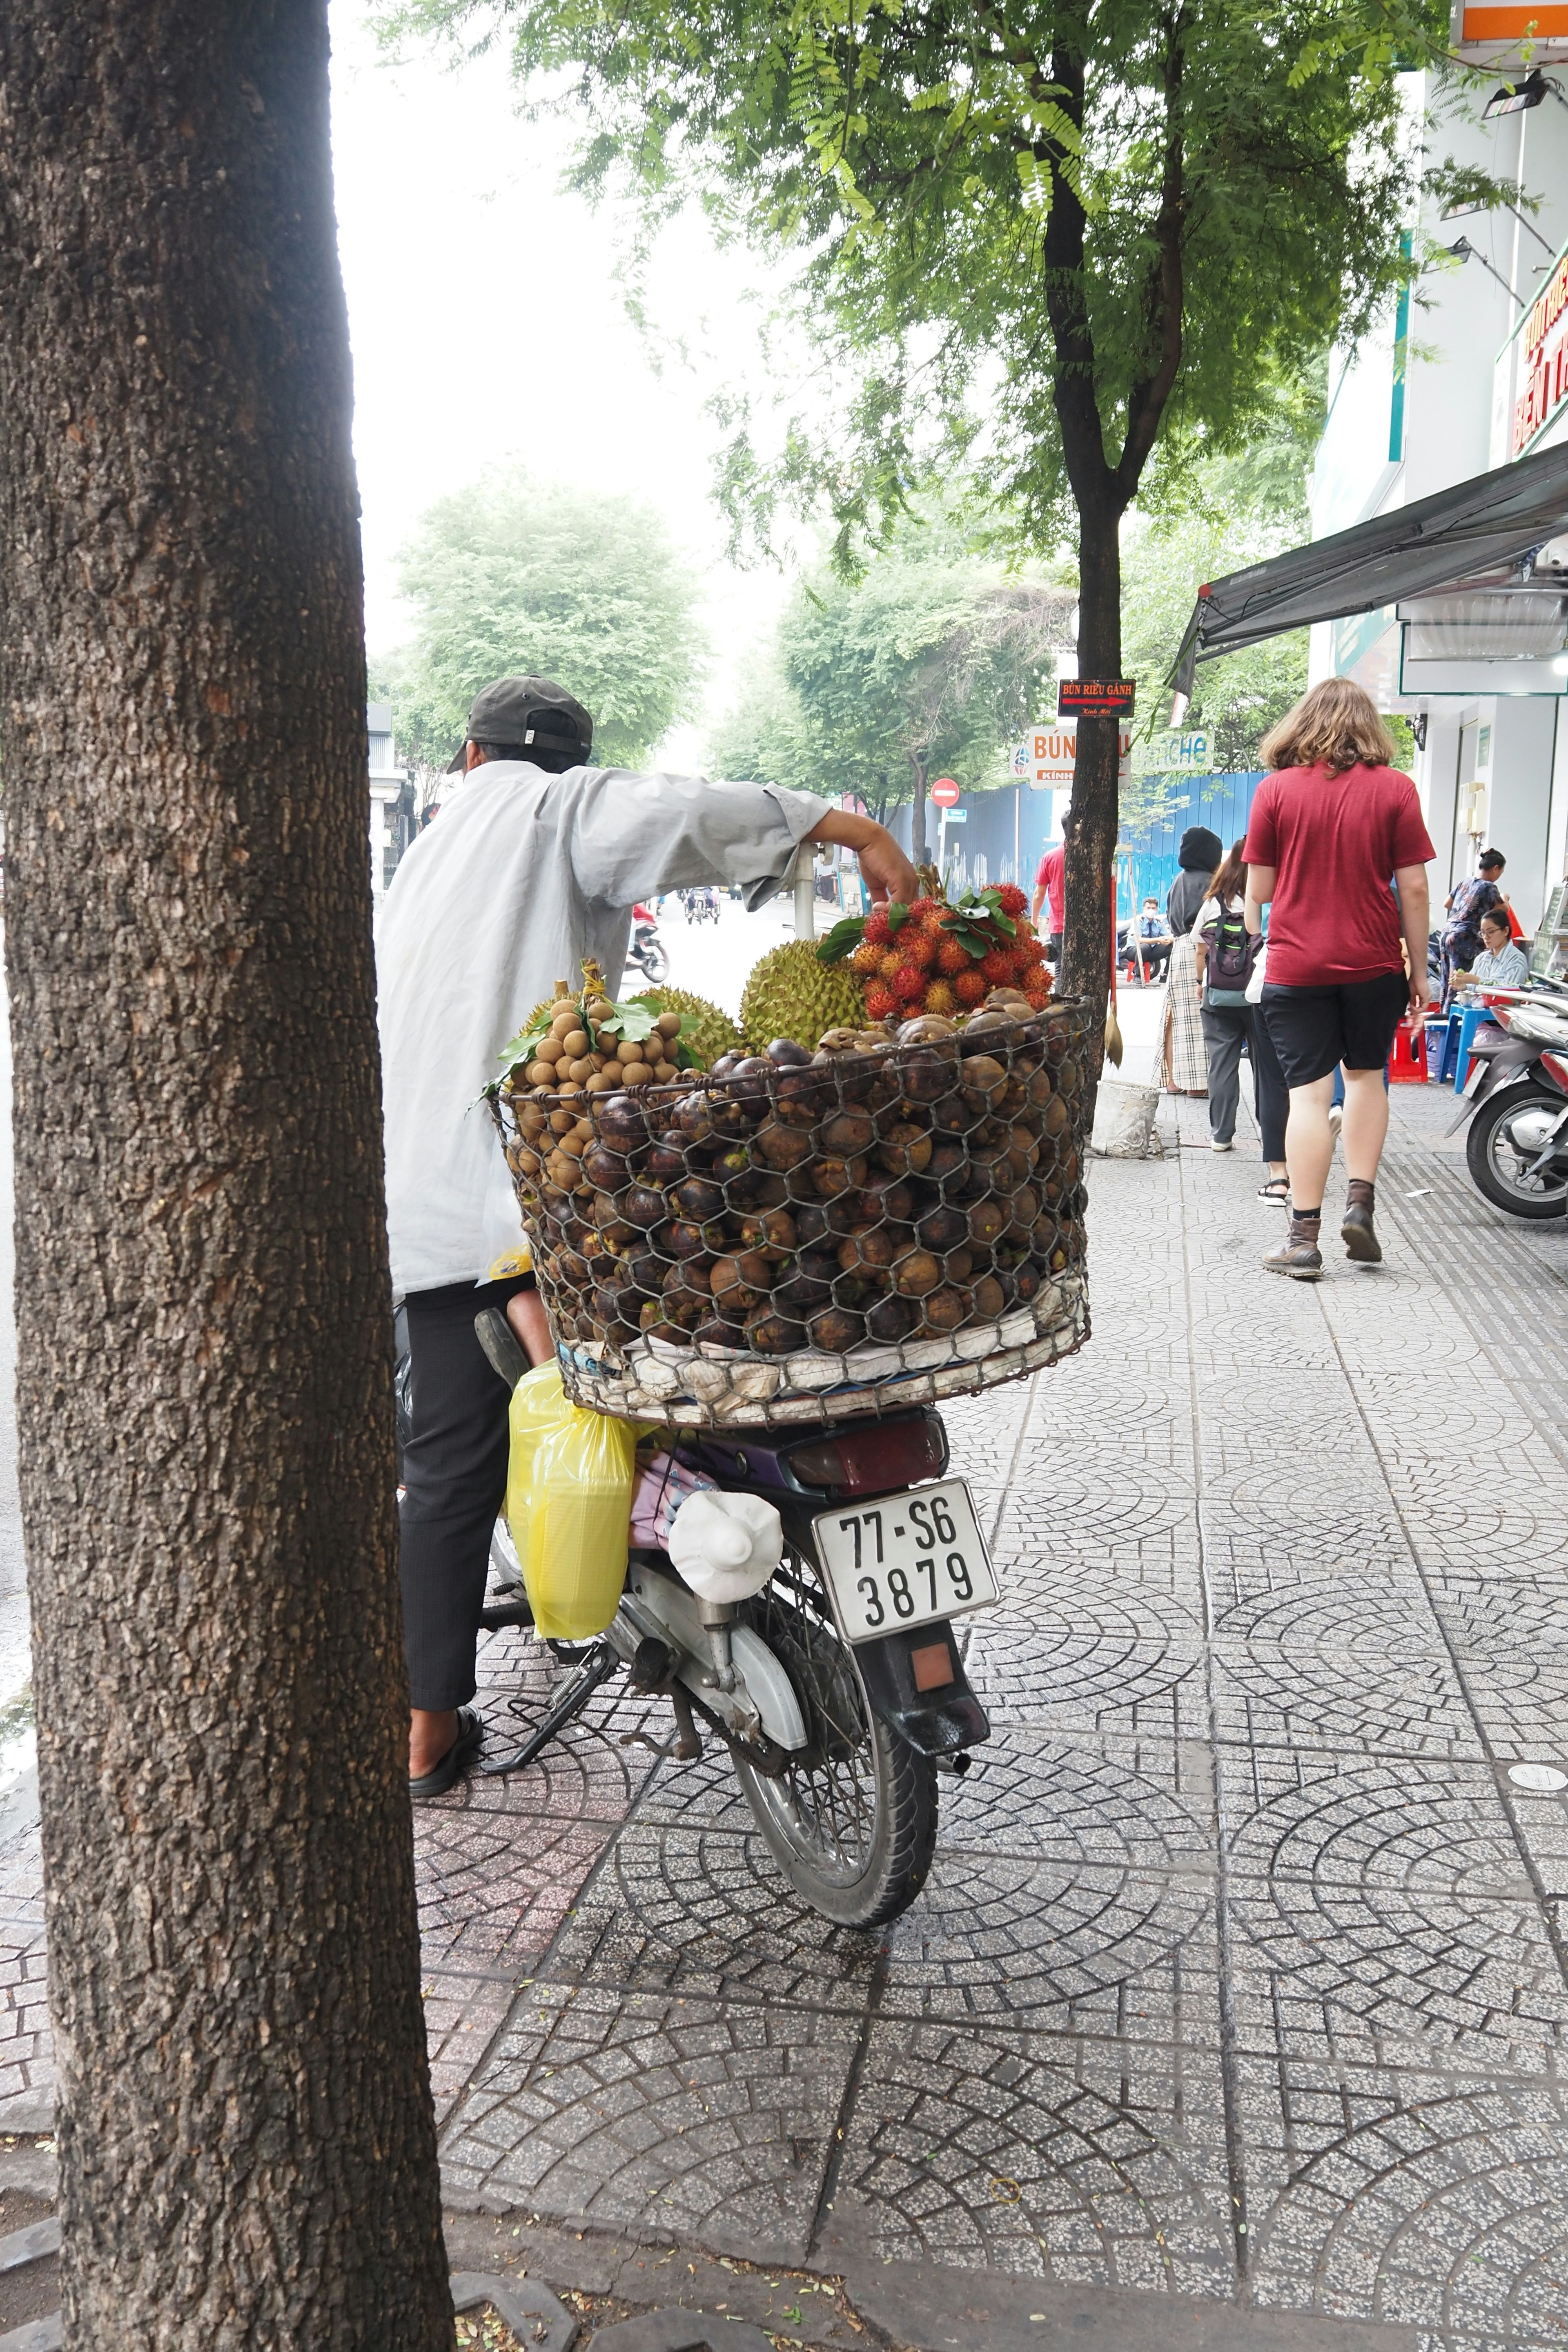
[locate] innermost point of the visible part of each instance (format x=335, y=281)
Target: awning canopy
x=1487, y=533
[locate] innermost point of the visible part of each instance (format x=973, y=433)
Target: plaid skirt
x=1187, y=1069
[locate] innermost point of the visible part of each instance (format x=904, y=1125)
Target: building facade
x=1470, y=375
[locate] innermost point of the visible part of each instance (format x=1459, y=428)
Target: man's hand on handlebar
x=884, y=868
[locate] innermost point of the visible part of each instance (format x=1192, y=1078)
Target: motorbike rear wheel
x=852, y=1824
x=1505, y=1135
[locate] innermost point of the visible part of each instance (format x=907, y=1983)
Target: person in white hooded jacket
x=535, y=861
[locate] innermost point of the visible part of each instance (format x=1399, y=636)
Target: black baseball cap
x=531, y=711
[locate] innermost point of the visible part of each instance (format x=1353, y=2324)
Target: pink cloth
x=657, y=1495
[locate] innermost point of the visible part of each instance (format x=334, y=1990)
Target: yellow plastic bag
x=568, y=1500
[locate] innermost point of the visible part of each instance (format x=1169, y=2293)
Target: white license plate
x=904, y=1560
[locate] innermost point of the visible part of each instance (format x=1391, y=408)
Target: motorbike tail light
x=875, y=1458
x=1556, y=1069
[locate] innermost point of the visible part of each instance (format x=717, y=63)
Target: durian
x=709, y=1030
x=791, y=994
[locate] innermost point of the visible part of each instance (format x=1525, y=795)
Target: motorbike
x=1516, y=1101
x=646, y=949
x=838, y=1690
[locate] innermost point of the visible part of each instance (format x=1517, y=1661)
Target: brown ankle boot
x=1297, y=1254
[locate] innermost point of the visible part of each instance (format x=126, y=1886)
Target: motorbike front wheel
x=852, y=1821
x=655, y=963
x=1505, y=1135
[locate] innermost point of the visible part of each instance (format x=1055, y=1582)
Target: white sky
x=454, y=230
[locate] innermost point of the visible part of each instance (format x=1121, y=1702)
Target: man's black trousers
x=454, y=1482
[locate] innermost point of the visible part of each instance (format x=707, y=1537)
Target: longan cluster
x=578, y=1052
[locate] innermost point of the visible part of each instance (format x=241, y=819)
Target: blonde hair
x=1336, y=723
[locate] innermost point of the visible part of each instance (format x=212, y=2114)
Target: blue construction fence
x=1006, y=832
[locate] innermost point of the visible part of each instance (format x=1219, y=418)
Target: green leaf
x=845, y=935
x=633, y=1021
x=521, y=1047
x=898, y=915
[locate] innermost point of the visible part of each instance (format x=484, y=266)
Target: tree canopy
x=933, y=661
x=513, y=575
x=1103, y=226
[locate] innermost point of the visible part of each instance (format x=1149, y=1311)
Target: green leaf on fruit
x=841, y=940
x=898, y=915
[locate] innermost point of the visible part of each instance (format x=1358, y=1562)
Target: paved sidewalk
x=1239, y=1978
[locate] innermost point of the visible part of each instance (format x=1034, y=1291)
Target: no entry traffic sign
x=1094, y=698
x=945, y=793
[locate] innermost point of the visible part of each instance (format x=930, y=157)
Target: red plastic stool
x=1407, y=1063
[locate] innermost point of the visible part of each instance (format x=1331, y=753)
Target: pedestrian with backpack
x=1233, y=1025
x=1337, y=843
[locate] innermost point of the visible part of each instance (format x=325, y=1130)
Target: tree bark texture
x=247, y=2142
x=1096, y=798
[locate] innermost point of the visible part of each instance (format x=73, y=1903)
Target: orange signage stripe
x=1512, y=24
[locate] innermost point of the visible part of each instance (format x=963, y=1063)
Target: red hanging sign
x=1094, y=698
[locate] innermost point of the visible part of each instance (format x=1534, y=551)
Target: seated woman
x=1500, y=964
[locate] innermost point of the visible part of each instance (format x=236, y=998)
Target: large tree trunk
x=1091, y=854
x=247, y=2143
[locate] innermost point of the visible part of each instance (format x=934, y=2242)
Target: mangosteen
x=700, y=1200
x=604, y=1168
x=751, y=1074
x=801, y=1292
x=834, y=1328
x=887, y=1198
x=719, y=1331
x=871, y=1250
x=1027, y=1280
x=781, y=1147
x=727, y=1064
x=770, y=1229
x=987, y=1221
x=848, y=1133
x=687, y=1240
x=773, y=1334
x=891, y=1319
x=668, y=1156
x=916, y=1273
x=943, y=1311
x=942, y=1229
x=986, y=1298
x=640, y=1204
x=787, y=1054
x=621, y=1121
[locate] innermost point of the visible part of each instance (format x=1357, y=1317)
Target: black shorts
x=1313, y=1029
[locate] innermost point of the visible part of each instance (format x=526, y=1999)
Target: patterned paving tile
x=707, y=2120
x=1099, y=2162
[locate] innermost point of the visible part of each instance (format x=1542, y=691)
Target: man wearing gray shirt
x=535, y=861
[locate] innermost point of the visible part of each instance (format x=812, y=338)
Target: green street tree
x=1099, y=226
x=513, y=575
x=247, y=2142
x=932, y=662
x=1229, y=511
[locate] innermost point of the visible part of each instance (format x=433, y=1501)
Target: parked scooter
x=838, y=1686
x=1516, y=1100
x=646, y=949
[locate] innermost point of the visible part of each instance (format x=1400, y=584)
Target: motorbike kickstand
x=597, y=1667
x=687, y=1744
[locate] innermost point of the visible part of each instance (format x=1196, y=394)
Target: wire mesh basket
x=804, y=1240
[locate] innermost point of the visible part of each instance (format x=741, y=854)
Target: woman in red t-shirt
x=1336, y=841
